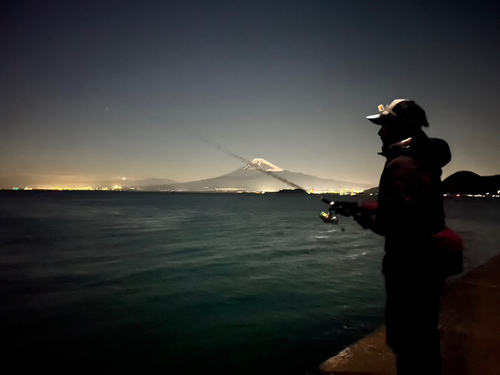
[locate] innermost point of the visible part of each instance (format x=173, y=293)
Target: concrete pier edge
x=469, y=328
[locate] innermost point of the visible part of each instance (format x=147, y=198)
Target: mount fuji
x=263, y=165
x=257, y=176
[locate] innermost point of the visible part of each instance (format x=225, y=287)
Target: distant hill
x=373, y=190
x=150, y=181
x=251, y=178
x=465, y=182
x=139, y=184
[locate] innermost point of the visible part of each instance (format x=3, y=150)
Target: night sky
x=99, y=90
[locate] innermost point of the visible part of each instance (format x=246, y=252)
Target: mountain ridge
x=253, y=178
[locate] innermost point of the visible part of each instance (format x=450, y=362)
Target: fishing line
x=236, y=156
x=334, y=206
x=327, y=217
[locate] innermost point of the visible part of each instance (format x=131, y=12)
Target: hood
x=438, y=152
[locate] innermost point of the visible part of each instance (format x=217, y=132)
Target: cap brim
x=378, y=119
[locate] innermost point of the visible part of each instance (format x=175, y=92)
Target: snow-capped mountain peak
x=263, y=164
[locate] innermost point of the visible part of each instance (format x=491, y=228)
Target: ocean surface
x=115, y=282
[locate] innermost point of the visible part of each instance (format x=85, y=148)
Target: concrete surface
x=470, y=332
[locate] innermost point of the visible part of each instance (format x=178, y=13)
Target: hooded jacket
x=410, y=204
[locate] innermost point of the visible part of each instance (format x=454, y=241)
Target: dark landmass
x=465, y=182
x=291, y=192
x=373, y=191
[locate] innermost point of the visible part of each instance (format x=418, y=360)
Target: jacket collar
x=396, y=148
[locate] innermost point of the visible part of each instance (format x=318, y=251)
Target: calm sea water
x=193, y=283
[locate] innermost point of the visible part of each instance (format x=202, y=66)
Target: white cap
x=385, y=111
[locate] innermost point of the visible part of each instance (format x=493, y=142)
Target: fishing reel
x=341, y=208
x=329, y=217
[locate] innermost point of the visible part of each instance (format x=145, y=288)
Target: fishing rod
x=336, y=207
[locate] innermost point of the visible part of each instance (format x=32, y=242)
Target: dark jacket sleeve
x=401, y=205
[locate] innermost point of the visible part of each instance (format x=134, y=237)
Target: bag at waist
x=450, y=246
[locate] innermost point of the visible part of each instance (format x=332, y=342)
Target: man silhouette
x=410, y=215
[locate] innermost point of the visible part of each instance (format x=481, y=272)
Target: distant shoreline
x=287, y=192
